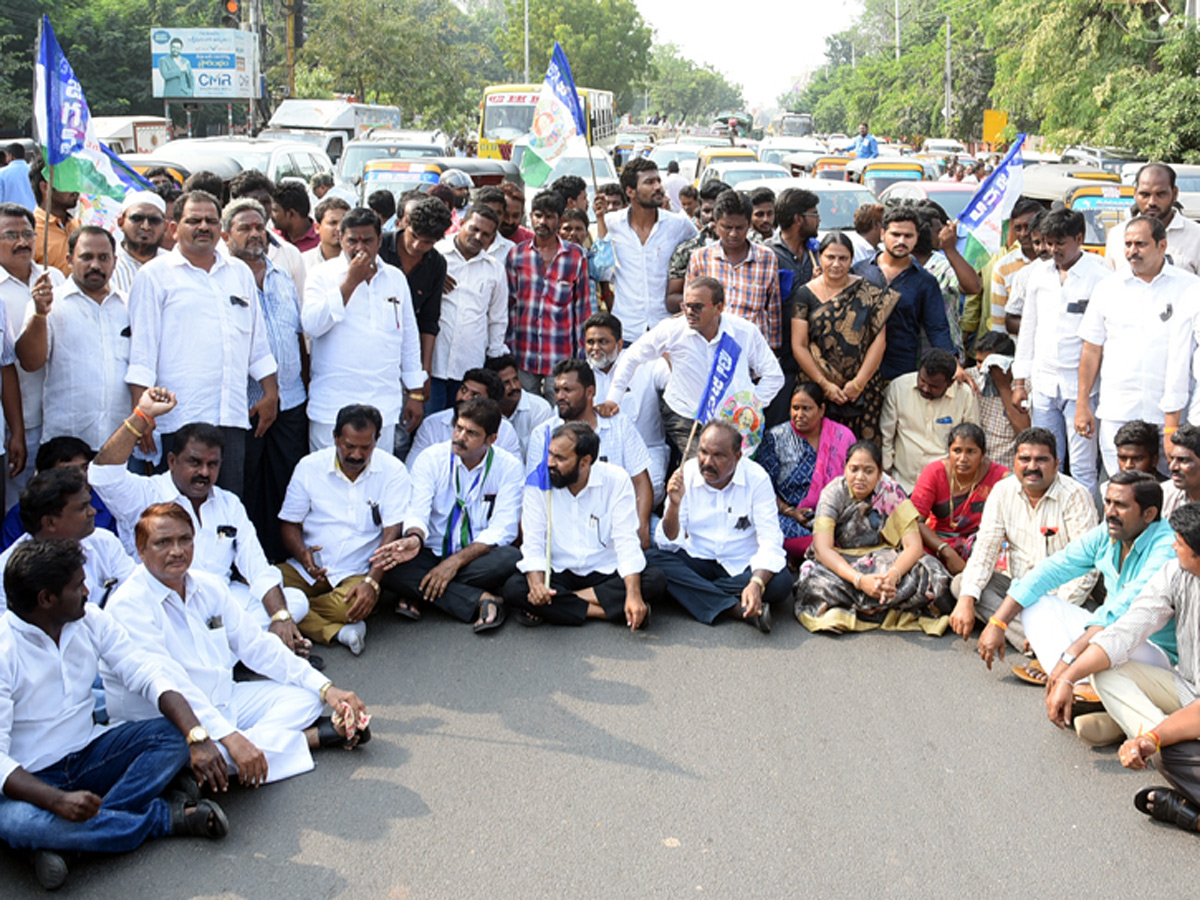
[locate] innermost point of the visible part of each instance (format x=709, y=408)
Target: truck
x=132, y=134
x=329, y=124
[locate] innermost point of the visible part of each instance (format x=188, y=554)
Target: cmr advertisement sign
x=204, y=63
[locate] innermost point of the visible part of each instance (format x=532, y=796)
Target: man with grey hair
x=143, y=222
x=271, y=457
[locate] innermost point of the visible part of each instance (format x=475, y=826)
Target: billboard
x=204, y=63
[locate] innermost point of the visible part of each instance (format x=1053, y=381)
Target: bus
x=506, y=112
x=791, y=124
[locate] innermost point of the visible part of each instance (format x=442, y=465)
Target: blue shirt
x=865, y=147
x=15, y=186
x=1096, y=551
x=13, y=529
x=280, y=306
x=920, y=307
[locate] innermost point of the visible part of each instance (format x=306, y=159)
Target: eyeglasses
x=11, y=236
x=812, y=212
x=139, y=218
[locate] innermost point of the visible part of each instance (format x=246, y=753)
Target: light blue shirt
x=865, y=147
x=281, y=313
x=1096, y=551
x=15, y=186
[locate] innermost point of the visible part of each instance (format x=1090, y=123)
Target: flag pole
x=50, y=186
x=549, y=533
x=46, y=230
x=687, y=449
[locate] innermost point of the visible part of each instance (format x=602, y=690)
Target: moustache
x=458, y=445
x=353, y=461
x=708, y=470
x=1032, y=473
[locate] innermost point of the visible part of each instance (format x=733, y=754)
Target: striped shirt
x=751, y=286
x=1007, y=266
x=281, y=314
x=127, y=266
x=1065, y=513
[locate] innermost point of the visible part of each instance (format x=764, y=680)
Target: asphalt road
x=687, y=761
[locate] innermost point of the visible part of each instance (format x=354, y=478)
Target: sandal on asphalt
x=329, y=736
x=408, y=612
x=1169, y=806
x=1032, y=673
x=184, y=785
x=763, y=620
x=501, y=613
x=204, y=819
x=526, y=618
x=50, y=869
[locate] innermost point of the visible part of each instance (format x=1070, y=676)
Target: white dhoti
x=273, y=717
x=1052, y=625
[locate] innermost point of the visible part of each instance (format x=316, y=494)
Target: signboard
x=994, y=122
x=527, y=98
x=204, y=63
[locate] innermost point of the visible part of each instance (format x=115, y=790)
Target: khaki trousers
x=327, y=605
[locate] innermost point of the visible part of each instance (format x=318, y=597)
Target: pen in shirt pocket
x=376, y=515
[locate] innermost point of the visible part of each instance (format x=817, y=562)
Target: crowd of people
x=240, y=426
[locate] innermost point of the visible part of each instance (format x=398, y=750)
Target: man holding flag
x=713, y=354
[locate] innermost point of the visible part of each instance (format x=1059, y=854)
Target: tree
x=679, y=87
x=606, y=42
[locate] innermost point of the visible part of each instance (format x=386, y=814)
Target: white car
x=735, y=173
x=839, y=200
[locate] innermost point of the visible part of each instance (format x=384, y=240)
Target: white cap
x=137, y=198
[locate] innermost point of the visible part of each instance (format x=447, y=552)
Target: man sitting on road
x=457, y=549
x=582, y=558
x=69, y=784
x=1037, y=512
x=439, y=427
x=1183, y=461
x=225, y=536
x=521, y=409
x=1132, y=545
x=721, y=546
x=189, y=621
x=343, y=502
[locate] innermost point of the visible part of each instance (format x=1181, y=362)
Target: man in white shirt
x=265, y=728
x=142, y=222
x=1155, y=195
x=358, y=312
x=20, y=279
x=676, y=181
x=474, y=310
x=720, y=545
x=497, y=248
x=225, y=536
x=77, y=341
x=602, y=339
x=328, y=215
x=439, y=427
x=644, y=236
x=66, y=783
x=691, y=340
x=1132, y=314
x=57, y=504
x=581, y=555
x=342, y=504
x=457, y=549
x=620, y=443
x=522, y=409
x=1049, y=346
x=195, y=320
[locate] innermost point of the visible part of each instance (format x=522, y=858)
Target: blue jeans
x=129, y=766
x=442, y=394
x=1057, y=414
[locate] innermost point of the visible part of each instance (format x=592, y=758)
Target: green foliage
x=679, y=87
x=606, y=41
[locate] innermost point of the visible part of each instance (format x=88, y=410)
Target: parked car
x=952, y=196
x=1110, y=159
x=734, y=173
x=277, y=159
x=839, y=200
x=359, y=152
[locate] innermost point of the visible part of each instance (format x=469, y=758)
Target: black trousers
x=568, y=608
x=487, y=574
x=270, y=460
x=705, y=589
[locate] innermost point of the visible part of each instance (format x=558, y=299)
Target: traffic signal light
x=231, y=13
x=298, y=23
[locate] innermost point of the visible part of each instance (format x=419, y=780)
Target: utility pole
x=948, y=111
x=897, y=18
x=527, y=41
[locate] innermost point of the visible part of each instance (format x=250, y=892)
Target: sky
x=730, y=38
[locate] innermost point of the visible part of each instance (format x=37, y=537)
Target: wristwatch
x=197, y=735
x=1067, y=658
x=281, y=615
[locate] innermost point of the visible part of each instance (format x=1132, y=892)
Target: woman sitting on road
x=950, y=493
x=802, y=456
x=867, y=567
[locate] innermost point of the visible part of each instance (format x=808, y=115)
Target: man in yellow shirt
x=61, y=224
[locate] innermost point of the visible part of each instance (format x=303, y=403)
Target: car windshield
x=953, y=202
x=837, y=208
x=503, y=122
x=1188, y=184
x=248, y=161
x=796, y=125
x=1100, y=213
x=734, y=178
x=398, y=183
x=662, y=156
x=578, y=165
x=358, y=155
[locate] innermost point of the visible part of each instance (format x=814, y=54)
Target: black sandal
x=205, y=819
x=1169, y=806
x=482, y=626
x=329, y=736
x=408, y=611
x=528, y=619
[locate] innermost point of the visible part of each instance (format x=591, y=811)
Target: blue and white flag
x=982, y=222
x=724, y=364
x=557, y=118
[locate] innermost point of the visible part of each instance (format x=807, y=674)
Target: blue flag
x=557, y=120
x=540, y=476
x=60, y=113
x=724, y=364
x=562, y=82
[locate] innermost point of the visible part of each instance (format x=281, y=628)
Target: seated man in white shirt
x=343, y=504
x=602, y=336
x=57, y=504
x=66, y=783
x=439, y=427
x=457, y=550
x=225, y=537
x=691, y=341
x=581, y=555
x=521, y=409
x=620, y=443
x=721, y=548
x=265, y=728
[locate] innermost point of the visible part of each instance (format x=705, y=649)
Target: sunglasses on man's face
x=139, y=218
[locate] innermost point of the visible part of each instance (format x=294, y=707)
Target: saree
x=954, y=519
x=867, y=535
x=798, y=472
x=840, y=332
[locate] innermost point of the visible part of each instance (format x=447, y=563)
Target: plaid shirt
x=751, y=286
x=546, y=306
